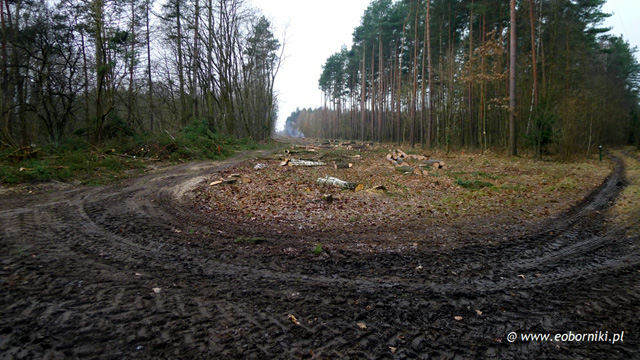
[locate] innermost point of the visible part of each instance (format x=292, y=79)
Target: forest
x=537, y=75
x=88, y=71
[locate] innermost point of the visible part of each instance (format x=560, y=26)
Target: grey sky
x=317, y=29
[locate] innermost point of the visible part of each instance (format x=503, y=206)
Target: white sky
x=317, y=29
x=625, y=20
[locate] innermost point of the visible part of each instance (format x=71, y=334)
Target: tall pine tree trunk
x=430, y=116
x=533, y=54
x=513, y=147
x=182, y=115
x=470, y=99
x=415, y=79
x=132, y=64
x=363, y=92
x=196, y=64
x=101, y=69
x=151, y=109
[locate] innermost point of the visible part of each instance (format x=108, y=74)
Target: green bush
x=121, y=155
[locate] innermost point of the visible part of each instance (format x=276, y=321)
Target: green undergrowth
x=472, y=180
x=473, y=184
x=317, y=249
x=118, y=158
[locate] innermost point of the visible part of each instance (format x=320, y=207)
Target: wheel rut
x=134, y=271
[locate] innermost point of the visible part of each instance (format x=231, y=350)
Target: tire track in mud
x=79, y=269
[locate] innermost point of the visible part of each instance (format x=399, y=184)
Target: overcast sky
x=317, y=29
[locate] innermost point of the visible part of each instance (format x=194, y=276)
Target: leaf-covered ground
x=485, y=191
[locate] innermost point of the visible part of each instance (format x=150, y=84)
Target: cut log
x=296, y=151
x=402, y=153
x=342, y=166
x=330, y=180
x=214, y=183
x=430, y=162
x=416, y=157
x=294, y=162
x=436, y=164
x=390, y=158
x=285, y=162
x=405, y=169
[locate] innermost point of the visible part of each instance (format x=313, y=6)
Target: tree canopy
x=104, y=68
x=577, y=86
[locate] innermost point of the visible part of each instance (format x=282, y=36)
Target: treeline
x=99, y=69
x=436, y=72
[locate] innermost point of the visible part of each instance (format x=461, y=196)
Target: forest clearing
x=393, y=199
x=156, y=201
x=174, y=264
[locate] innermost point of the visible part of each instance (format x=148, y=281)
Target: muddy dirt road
x=133, y=271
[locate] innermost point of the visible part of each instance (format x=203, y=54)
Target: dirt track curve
x=78, y=269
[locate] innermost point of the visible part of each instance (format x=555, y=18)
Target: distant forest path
x=135, y=271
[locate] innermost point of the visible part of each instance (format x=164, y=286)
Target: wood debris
x=342, y=166
x=345, y=185
x=405, y=169
x=295, y=162
x=294, y=319
x=436, y=164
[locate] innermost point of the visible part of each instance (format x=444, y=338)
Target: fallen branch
x=22, y=153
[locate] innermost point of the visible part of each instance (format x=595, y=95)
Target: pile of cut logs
x=327, y=180
x=399, y=159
